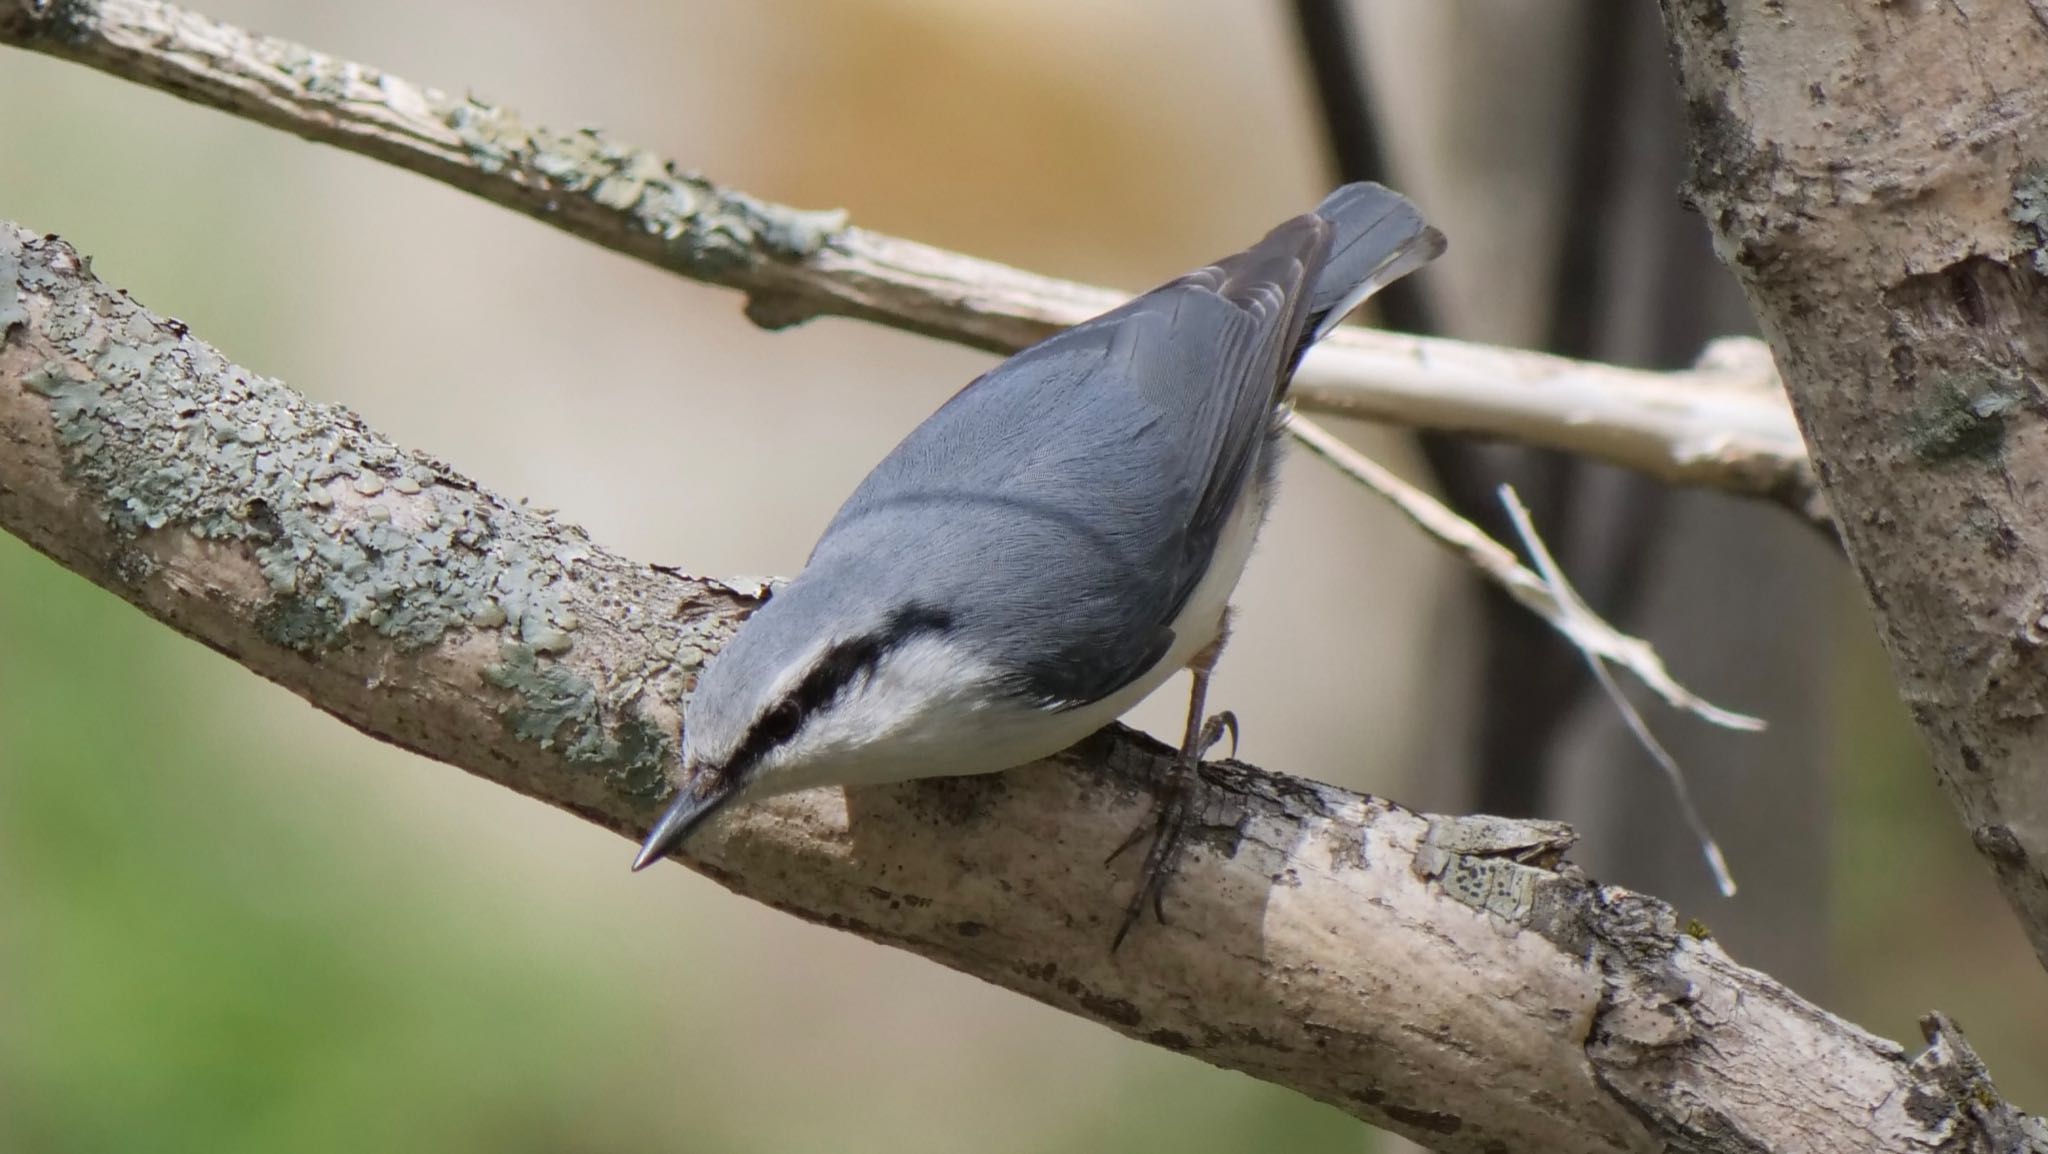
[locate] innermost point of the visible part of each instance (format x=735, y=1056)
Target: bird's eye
x=780, y=723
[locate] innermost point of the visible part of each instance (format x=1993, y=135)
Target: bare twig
x=1554, y=603
x=1442, y=977
x=1720, y=426
x=1574, y=606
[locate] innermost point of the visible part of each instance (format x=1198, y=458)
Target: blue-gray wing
x=1068, y=501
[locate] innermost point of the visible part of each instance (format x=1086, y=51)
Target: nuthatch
x=1047, y=548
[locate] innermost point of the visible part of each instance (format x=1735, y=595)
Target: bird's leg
x=1176, y=808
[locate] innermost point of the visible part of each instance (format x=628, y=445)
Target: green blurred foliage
x=1919, y=924
x=191, y=966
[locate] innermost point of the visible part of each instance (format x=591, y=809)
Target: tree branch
x=1722, y=425
x=1874, y=177
x=1447, y=978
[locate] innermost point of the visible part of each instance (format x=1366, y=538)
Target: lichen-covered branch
x=1723, y=424
x=1877, y=176
x=1448, y=978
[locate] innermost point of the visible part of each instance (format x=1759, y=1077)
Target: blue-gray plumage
x=1051, y=544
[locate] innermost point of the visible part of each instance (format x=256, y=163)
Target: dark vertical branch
x=1606, y=527
x=1352, y=134
x=1528, y=681
x=1591, y=177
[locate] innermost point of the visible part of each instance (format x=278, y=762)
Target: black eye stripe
x=836, y=669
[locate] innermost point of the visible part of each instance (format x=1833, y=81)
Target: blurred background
x=228, y=923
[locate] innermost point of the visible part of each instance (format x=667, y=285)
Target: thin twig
x=1555, y=604
x=1569, y=601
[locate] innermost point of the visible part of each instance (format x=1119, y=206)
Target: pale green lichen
x=705, y=229
x=560, y=709
x=1964, y=416
x=1500, y=865
x=353, y=535
x=2029, y=210
x=316, y=74
x=557, y=707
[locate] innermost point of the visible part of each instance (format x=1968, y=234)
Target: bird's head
x=812, y=690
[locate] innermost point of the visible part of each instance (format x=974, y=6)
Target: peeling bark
x=1451, y=979
x=1877, y=176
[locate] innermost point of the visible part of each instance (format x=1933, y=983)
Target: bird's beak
x=701, y=797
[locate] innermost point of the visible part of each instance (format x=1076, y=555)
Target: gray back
x=1065, y=504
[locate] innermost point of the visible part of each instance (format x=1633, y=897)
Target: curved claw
x=1176, y=810
x=1169, y=837
x=1212, y=732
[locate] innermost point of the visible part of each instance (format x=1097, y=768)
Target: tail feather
x=1376, y=238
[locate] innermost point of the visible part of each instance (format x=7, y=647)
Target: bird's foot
x=1177, y=810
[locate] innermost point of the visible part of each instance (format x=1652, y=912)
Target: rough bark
x=1447, y=978
x=1877, y=176
x=1724, y=425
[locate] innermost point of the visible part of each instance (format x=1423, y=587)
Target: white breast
x=953, y=728
x=1200, y=620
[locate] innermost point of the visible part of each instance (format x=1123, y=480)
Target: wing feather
x=1074, y=494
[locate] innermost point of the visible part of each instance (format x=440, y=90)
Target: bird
x=1046, y=549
